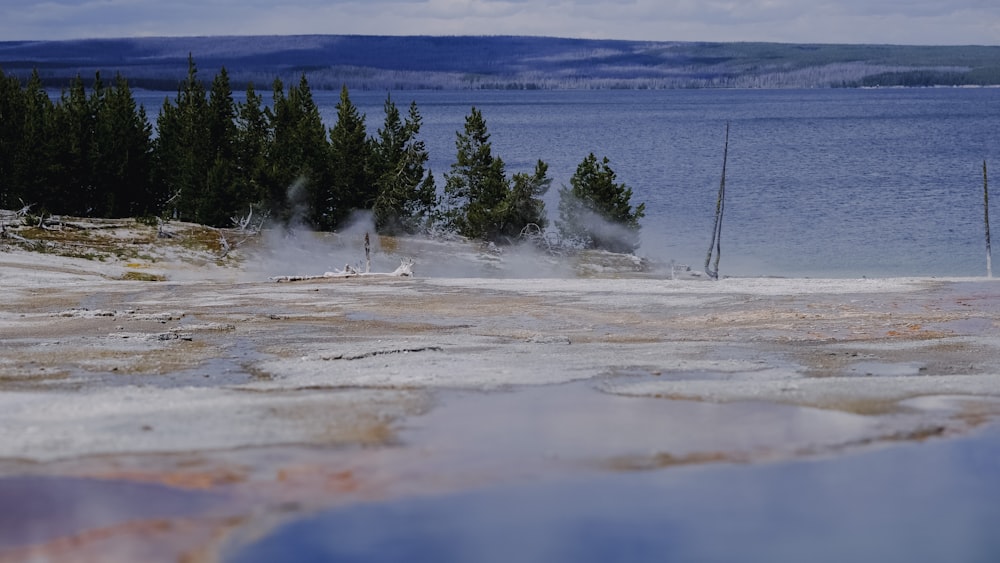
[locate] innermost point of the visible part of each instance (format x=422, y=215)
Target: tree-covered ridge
x=215, y=160
x=457, y=62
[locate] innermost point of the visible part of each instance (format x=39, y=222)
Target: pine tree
x=596, y=212
x=253, y=134
x=476, y=186
x=122, y=154
x=31, y=168
x=353, y=188
x=167, y=149
x=71, y=134
x=523, y=205
x=183, y=150
x=406, y=197
x=300, y=156
x=279, y=171
x=216, y=204
x=12, y=115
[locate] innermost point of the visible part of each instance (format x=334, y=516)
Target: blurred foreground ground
x=163, y=399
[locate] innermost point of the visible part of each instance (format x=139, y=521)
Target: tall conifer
x=12, y=116
x=476, y=186
x=31, y=168
x=353, y=187
x=405, y=195
x=71, y=136
x=596, y=211
x=300, y=155
x=523, y=205
x=217, y=203
x=183, y=149
x=123, y=154
x=253, y=144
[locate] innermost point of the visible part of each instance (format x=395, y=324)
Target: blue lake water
x=838, y=183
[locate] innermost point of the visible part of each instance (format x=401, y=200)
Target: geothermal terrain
x=176, y=392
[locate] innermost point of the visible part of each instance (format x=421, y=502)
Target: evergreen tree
x=596, y=212
x=406, y=197
x=121, y=153
x=183, y=148
x=300, y=155
x=253, y=134
x=216, y=204
x=167, y=149
x=71, y=138
x=352, y=187
x=523, y=205
x=31, y=167
x=476, y=186
x=279, y=170
x=12, y=117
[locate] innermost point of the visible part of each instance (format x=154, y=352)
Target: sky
x=911, y=22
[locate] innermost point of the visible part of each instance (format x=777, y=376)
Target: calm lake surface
x=820, y=183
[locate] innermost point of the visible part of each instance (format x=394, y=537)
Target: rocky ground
x=139, y=355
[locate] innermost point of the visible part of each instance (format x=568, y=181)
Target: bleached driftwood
x=5, y=234
x=247, y=225
x=25, y=209
x=244, y=226
x=986, y=208
x=160, y=231
x=715, y=247
x=405, y=270
x=368, y=254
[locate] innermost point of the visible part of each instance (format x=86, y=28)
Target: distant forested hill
x=385, y=62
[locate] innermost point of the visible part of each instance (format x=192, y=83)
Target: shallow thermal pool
x=937, y=500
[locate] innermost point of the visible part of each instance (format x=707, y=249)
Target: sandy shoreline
x=107, y=377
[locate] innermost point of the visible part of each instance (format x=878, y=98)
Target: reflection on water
x=933, y=501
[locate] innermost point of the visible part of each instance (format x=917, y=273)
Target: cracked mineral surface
x=237, y=403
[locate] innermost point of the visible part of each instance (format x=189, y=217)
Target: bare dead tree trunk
x=986, y=220
x=720, y=204
x=368, y=255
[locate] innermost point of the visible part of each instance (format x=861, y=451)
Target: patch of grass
x=200, y=238
x=148, y=220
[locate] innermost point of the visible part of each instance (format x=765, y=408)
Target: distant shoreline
x=501, y=62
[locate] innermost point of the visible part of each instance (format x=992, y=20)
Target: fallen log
x=405, y=270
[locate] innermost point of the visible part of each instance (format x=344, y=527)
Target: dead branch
x=405, y=270
x=986, y=220
x=246, y=224
x=715, y=247
x=368, y=254
x=160, y=231
x=25, y=209
x=375, y=353
x=223, y=245
x=546, y=240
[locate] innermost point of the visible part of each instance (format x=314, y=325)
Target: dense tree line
x=84, y=155
x=214, y=159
